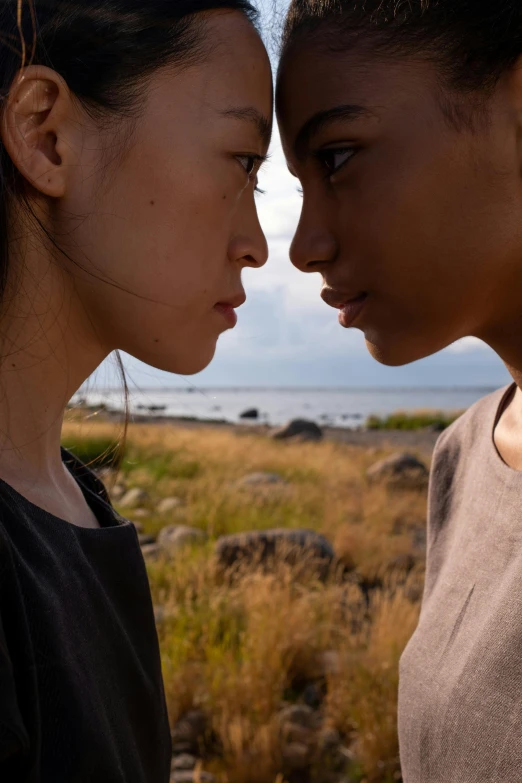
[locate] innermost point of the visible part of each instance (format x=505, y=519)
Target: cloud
x=468, y=345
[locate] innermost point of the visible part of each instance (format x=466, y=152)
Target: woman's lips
x=350, y=310
x=350, y=306
x=228, y=309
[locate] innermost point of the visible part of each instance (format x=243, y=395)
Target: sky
x=287, y=336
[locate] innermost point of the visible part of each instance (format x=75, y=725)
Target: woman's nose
x=250, y=249
x=313, y=246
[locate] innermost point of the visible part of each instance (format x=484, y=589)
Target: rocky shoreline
x=422, y=440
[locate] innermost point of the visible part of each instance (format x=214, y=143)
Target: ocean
x=331, y=407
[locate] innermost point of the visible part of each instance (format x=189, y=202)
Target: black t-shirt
x=81, y=691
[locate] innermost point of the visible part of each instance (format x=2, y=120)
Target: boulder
x=172, y=538
x=191, y=776
x=296, y=756
x=400, y=471
x=312, y=695
x=188, y=735
x=299, y=428
x=260, y=479
x=183, y=762
x=164, y=613
x=151, y=551
x=264, y=547
x=299, y=715
x=250, y=413
x=117, y=491
x=298, y=727
x=167, y=505
x=133, y=498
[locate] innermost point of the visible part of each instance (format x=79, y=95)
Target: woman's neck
x=48, y=347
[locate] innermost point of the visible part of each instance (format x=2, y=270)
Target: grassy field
x=242, y=650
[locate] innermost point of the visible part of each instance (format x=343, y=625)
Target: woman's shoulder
x=475, y=427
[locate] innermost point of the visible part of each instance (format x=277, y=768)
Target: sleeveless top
x=460, y=693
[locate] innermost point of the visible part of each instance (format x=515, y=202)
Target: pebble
x=133, y=498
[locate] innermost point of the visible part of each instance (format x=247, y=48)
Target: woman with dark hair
x=131, y=137
x=403, y=123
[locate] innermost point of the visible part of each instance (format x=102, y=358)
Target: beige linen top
x=460, y=693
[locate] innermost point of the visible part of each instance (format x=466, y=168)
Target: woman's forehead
x=312, y=81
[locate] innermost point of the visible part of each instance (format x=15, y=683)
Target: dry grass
x=241, y=650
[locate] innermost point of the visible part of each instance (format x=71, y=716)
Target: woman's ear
x=35, y=129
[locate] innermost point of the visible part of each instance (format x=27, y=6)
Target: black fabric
x=81, y=691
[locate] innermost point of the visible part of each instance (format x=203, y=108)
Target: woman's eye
x=248, y=162
x=334, y=159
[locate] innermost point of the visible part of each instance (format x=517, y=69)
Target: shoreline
x=421, y=440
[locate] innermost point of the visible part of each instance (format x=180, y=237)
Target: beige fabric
x=460, y=694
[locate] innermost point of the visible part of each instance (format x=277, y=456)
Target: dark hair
x=472, y=41
x=104, y=49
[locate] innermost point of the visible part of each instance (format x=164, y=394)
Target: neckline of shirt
x=503, y=469
x=107, y=517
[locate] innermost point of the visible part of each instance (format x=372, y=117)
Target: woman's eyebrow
x=251, y=114
x=321, y=120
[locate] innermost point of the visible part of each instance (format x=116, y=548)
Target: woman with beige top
x=403, y=123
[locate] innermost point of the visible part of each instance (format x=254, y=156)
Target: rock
x=299, y=427
x=296, y=756
x=140, y=513
x=169, y=504
x=299, y=715
x=298, y=727
x=151, y=551
x=250, y=413
x=183, y=762
x=188, y=735
x=312, y=696
x=400, y=471
x=117, y=491
x=293, y=547
x=260, y=480
x=144, y=539
x=159, y=614
x=133, y=498
x=163, y=613
x=305, y=437
x=172, y=538
x=191, y=776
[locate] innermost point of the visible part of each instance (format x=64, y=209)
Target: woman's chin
x=181, y=362
x=398, y=352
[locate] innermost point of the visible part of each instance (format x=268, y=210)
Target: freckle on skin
x=224, y=197
x=152, y=203
x=156, y=340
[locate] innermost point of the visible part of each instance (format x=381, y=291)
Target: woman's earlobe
x=32, y=121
